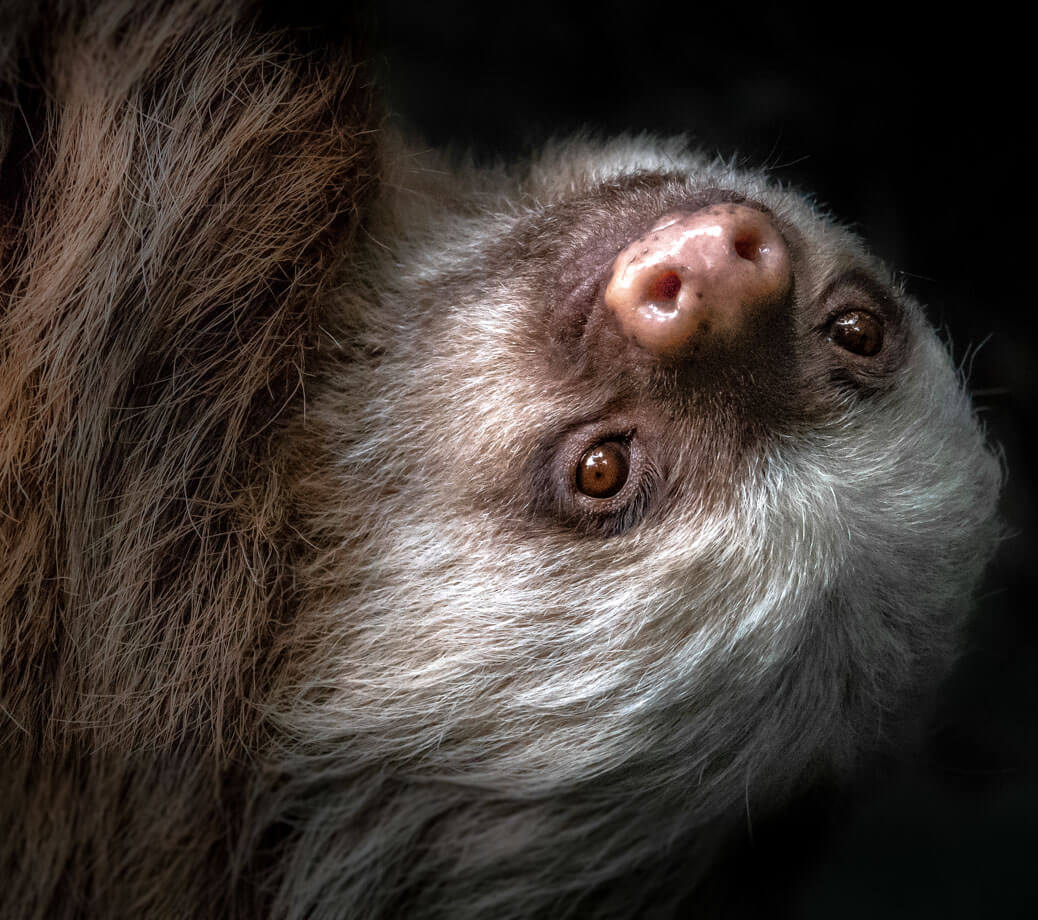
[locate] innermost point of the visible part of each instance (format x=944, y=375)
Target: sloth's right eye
x=603, y=469
x=857, y=331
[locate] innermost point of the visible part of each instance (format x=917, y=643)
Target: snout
x=698, y=275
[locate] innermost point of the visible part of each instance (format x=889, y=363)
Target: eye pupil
x=857, y=331
x=603, y=469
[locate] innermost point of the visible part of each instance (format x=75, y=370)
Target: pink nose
x=698, y=274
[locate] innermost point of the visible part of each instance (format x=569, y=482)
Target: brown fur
x=142, y=521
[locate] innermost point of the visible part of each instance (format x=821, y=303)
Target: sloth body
x=310, y=608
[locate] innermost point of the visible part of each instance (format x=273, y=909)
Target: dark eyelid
x=857, y=290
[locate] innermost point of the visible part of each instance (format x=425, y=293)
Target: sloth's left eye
x=603, y=469
x=857, y=331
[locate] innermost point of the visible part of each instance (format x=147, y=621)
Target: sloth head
x=635, y=470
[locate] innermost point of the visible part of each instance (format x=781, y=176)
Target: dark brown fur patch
x=165, y=247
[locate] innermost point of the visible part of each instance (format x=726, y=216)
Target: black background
x=915, y=132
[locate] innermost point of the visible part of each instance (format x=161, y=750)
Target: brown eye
x=858, y=331
x=603, y=469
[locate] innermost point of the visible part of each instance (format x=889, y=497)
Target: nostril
x=748, y=246
x=664, y=287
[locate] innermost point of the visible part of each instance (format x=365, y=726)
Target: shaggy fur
x=297, y=617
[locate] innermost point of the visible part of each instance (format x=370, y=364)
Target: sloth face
x=636, y=465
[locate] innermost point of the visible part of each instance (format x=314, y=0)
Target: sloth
x=387, y=536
